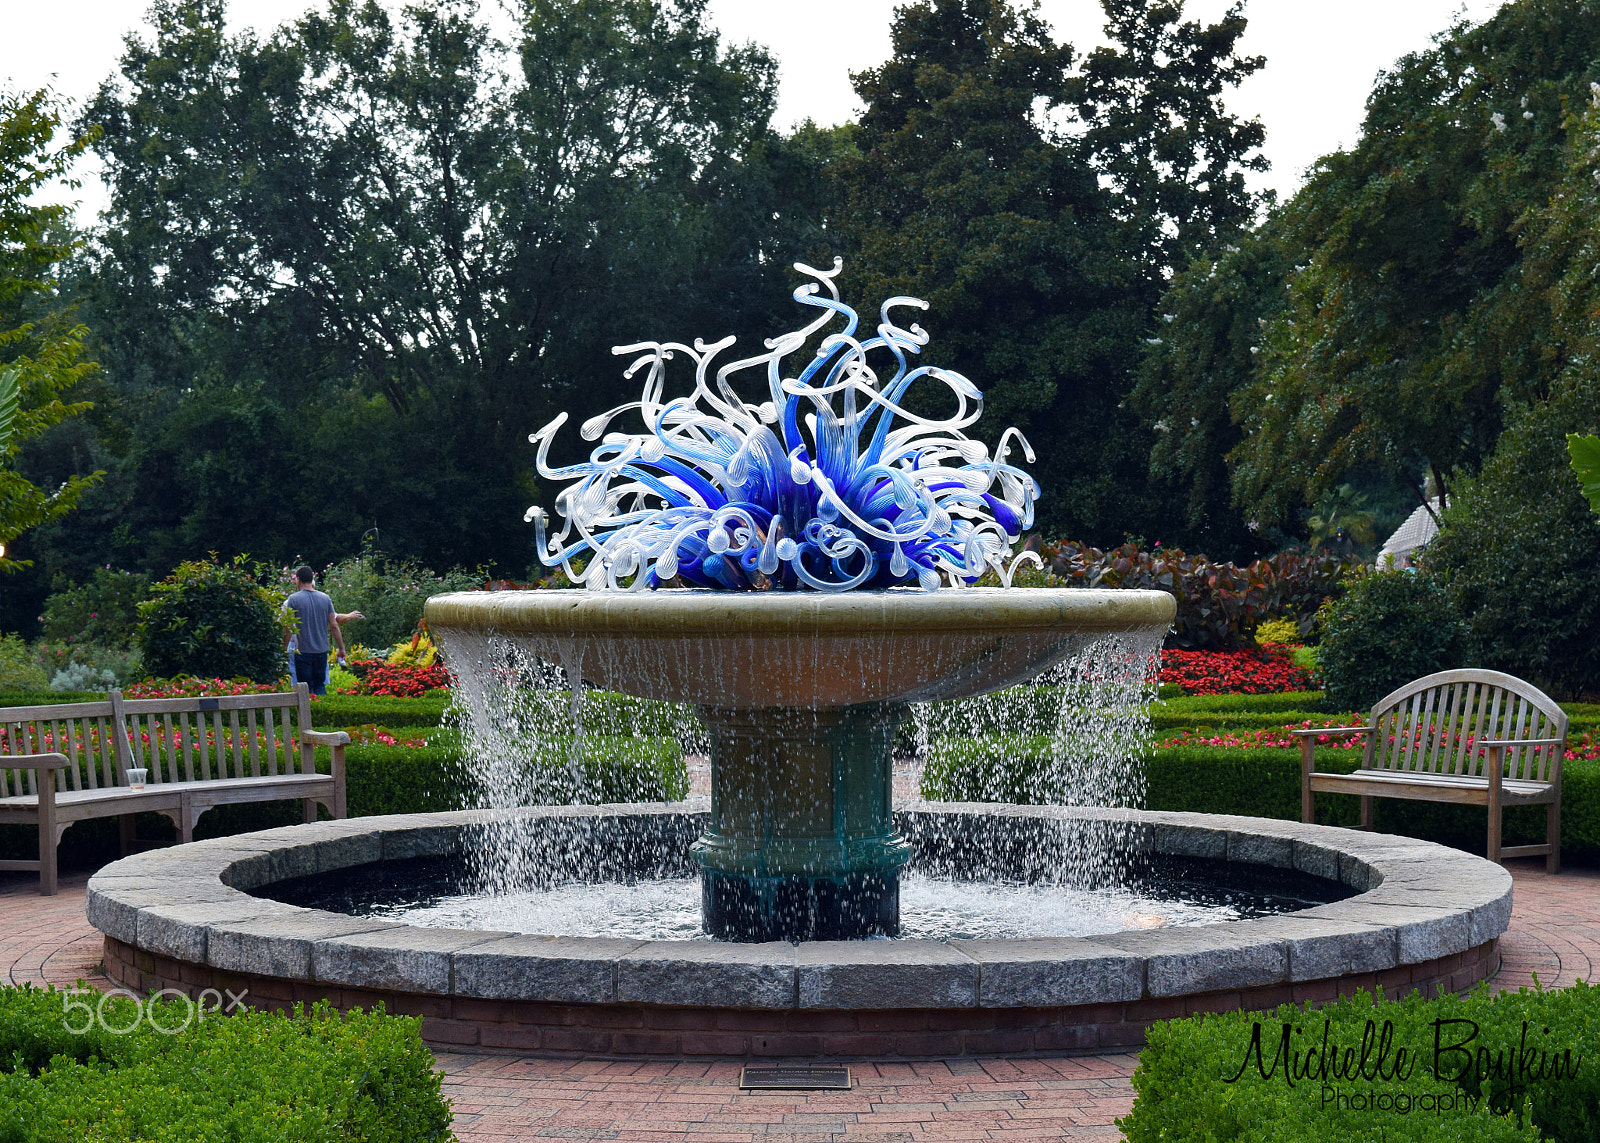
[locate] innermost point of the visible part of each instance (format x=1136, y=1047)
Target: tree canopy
x=1397, y=316
x=1039, y=208
x=41, y=343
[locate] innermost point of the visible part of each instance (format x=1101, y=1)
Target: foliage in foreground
x=253, y=1077
x=1185, y=1093
x=40, y=340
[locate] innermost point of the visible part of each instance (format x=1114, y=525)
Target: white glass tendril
x=829, y=484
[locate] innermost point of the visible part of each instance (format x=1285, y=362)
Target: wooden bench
x=68, y=763
x=1472, y=737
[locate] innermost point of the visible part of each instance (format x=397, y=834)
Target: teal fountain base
x=801, y=844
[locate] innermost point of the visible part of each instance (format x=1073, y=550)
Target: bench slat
x=255, y=740
x=64, y=741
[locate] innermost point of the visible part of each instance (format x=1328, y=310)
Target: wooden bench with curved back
x=1471, y=737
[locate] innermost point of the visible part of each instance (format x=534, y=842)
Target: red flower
x=1268, y=671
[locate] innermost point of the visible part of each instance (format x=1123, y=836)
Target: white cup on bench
x=136, y=777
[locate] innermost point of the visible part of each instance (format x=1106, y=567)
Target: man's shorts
x=313, y=671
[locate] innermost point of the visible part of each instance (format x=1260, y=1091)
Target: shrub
x=1281, y=631
x=389, y=592
x=1219, y=605
x=385, y=779
x=1184, y=1091
x=82, y=677
x=1520, y=551
x=212, y=619
x=309, y=1077
x=18, y=670
x=122, y=663
x=104, y=611
x=1390, y=628
x=340, y=710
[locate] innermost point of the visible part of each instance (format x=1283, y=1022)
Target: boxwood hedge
x=250, y=1077
x=1479, y=1068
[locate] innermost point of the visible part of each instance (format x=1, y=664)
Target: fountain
x=776, y=518
x=800, y=570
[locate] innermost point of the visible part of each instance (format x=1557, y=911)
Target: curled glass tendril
x=831, y=484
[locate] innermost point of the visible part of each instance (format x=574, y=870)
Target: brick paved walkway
x=1555, y=932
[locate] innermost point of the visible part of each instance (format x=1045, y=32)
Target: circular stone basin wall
x=1423, y=917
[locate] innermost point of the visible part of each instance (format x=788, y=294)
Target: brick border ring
x=1424, y=917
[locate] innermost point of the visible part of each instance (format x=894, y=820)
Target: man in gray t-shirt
x=314, y=610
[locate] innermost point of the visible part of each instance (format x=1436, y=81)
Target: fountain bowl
x=804, y=649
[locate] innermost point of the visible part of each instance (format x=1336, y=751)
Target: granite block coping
x=1416, y=901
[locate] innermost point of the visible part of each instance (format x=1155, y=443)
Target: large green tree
x=348, y=266
x=1405, y=324
x=1520, y=546
x=41, y=343
x=1041, y=239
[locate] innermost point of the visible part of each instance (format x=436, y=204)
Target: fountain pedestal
x=801, y=844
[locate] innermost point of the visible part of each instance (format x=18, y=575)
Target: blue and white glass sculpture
x=830, y=484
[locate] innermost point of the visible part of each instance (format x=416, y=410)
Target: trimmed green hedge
x=252, y=1077
x=1198, y=1078
x=333, y=711
x=1266, y=783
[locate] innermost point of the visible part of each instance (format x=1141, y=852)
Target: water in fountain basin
x=1073, y=737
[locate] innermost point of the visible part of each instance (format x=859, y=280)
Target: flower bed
x=401, y=682
x=1584, y=746
x=371, y=734
x=1267, y=671
x=192, y=686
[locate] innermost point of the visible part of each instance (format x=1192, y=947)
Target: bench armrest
x=326, y=737
x=1332, y=732
x=44, y=762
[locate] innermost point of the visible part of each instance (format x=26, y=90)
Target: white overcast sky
x=1321, y=56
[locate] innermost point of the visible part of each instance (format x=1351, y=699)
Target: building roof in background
x=1418, y=531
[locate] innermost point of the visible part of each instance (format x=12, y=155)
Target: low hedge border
x=1513, y=1068
x=1266, y=783
x=254, y=1077
x=394, y=780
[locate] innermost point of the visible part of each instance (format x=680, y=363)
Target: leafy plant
x=213, y=619
x=1219, y=604
x=18, y=669
x=105, y=610
x=389, y=591
x=1585, y=453
x=1281, y=631
x=82, y=677
x=1391, y=627
x=1520, y=550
